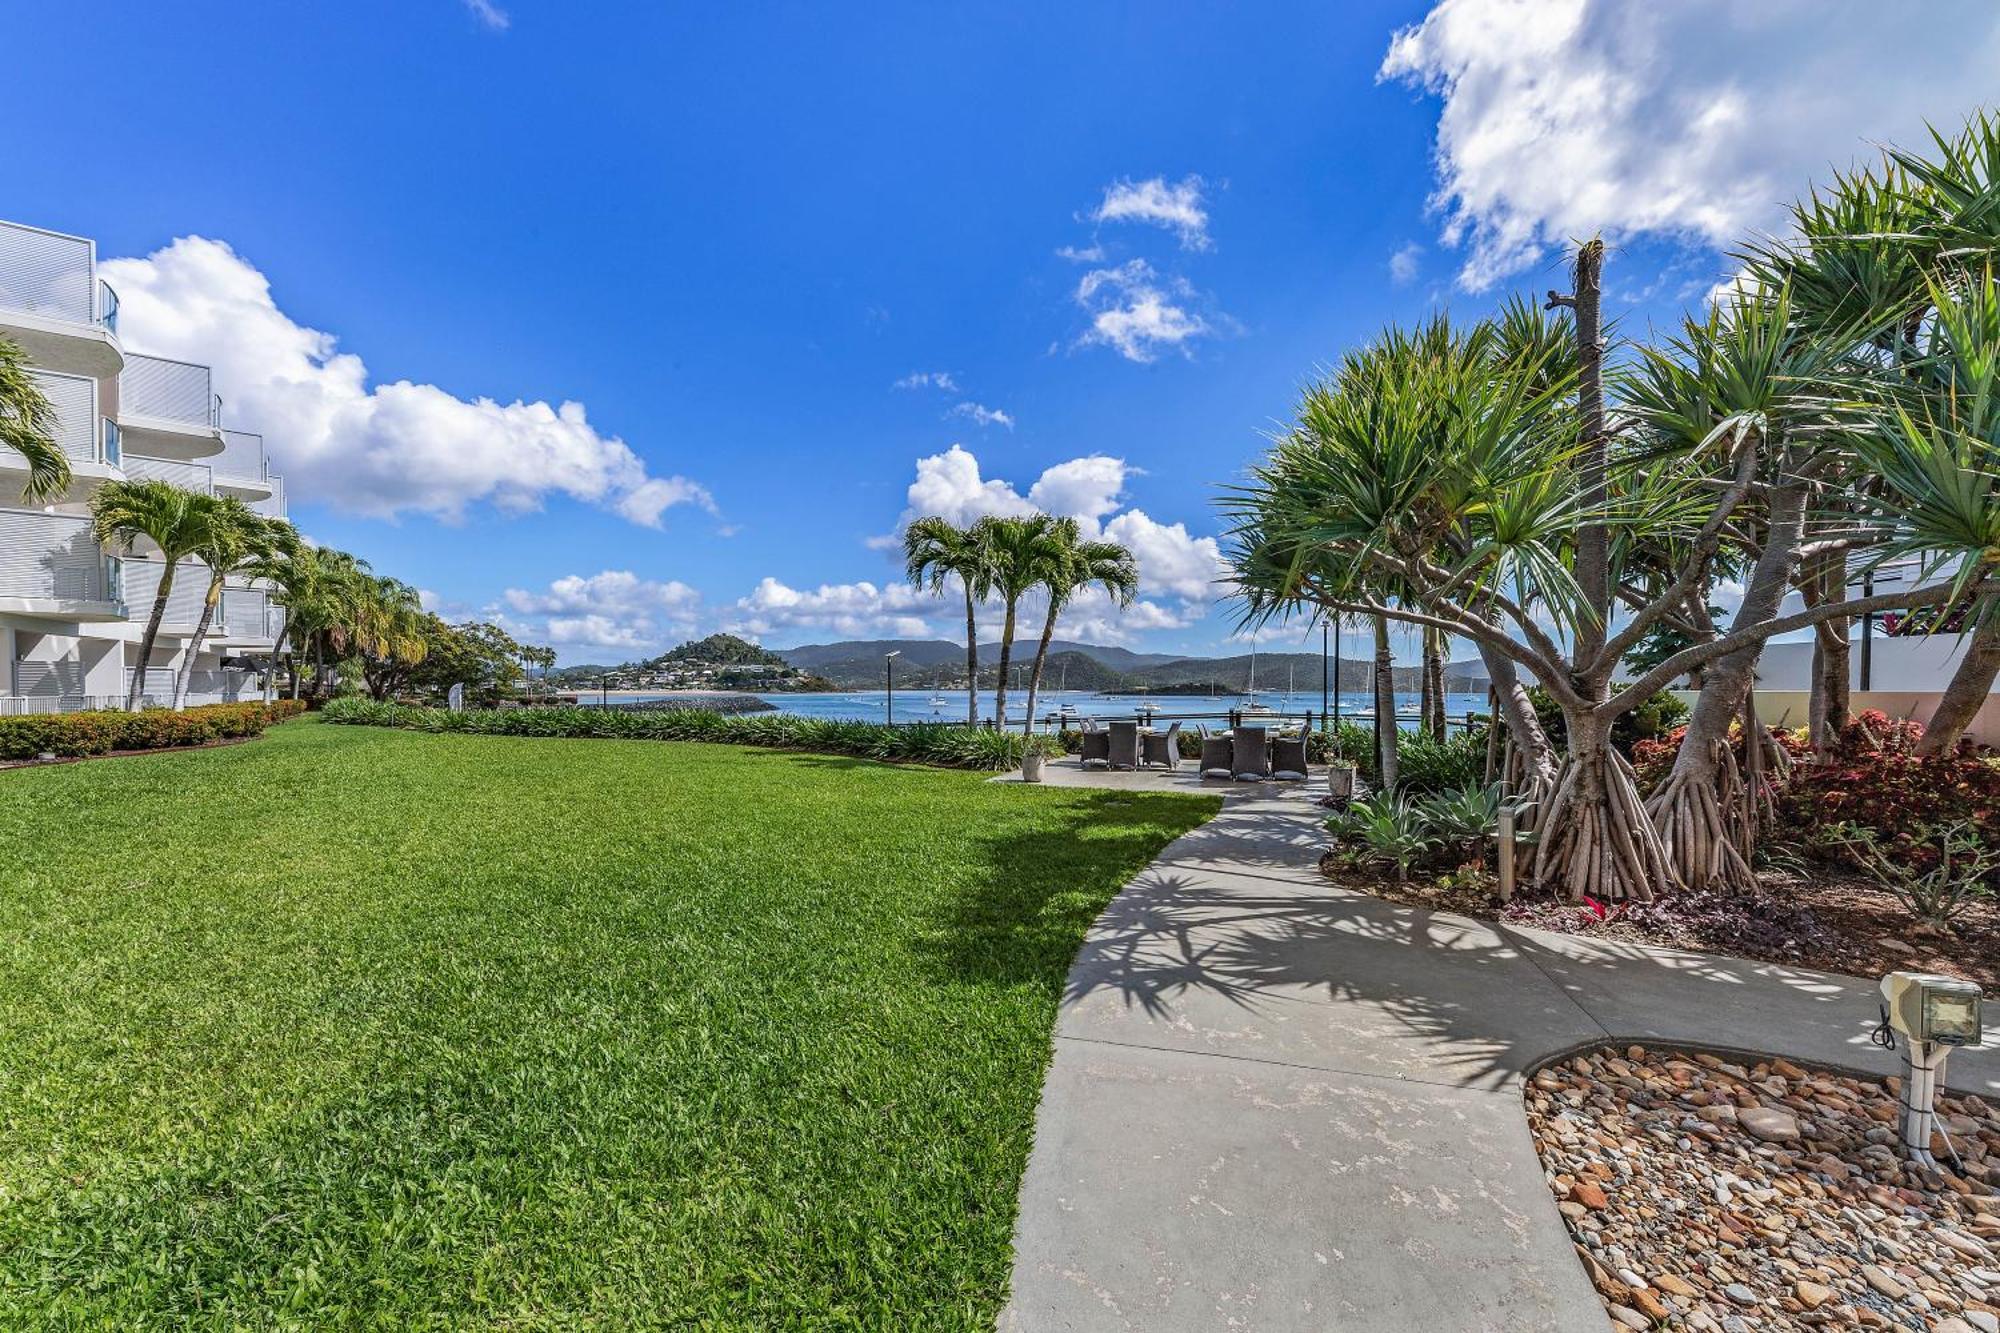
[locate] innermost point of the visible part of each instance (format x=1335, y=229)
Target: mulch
x=1822, y=919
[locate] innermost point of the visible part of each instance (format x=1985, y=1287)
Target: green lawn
x=355, y=1028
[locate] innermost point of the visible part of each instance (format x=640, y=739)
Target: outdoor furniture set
x=1245, y=754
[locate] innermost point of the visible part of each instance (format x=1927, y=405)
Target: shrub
x=1425, y=767
x=938, y=743
x=1957, y=872
x=1384, y=829
x=73, y=735
x=1872, y=778
x=1653, y=758
x=1463, y=819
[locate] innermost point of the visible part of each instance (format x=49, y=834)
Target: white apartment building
x=71, y=613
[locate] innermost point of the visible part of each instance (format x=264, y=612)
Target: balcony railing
x=50, y=275
x=53, y=558
x=176, y=391
x=242, y=613
x=73, y=398
x=242, y=457
x=273, y=506
x=184, y=599
x=188, y=476
x=107, y=305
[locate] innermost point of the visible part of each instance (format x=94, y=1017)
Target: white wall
x=1901, y=665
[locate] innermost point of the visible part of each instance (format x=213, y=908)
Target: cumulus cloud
x=928, y=379
x=1404, y=264
x=1698, y=120
x=376, y=450
x=1136, y=310
x=982, y=415
x=846, y=610
x=615, y=610
x=1174, y=564
x=1177, y=207
x=1081, y=254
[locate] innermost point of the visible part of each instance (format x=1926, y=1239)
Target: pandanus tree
x=27, y=426
x=1441, y=481
x=1073, y=566
x=122, y=513
x=936, y=549
x=1023, y=552
x=233, y=535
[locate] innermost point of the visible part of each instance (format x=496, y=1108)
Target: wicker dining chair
x=1162, y=747
x=1252, y=754
x=1217, y=756
x=1096, y=744
x=1124, y=745
x=1288, y=758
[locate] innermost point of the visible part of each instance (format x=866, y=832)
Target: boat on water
x=938, y=703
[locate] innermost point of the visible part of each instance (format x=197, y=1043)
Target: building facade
x=72, y=612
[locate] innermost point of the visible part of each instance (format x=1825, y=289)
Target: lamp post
x=889, y=670
x=1325, y=687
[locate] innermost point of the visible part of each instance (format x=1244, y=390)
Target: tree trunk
x=1385, y=709
x=1433, y=702
x=1826, y=581
x=1526, y=737
x=1006, y=656
x=1593, y=564
x=277, y=646
x=1970, y=687
x=971, y=660
x=147, y=639
x=1687, y=809
x=208, y=602
x=1041, y=656
x=1596, y=841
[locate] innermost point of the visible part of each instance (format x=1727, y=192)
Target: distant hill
x=722, y=650
x=940, y=663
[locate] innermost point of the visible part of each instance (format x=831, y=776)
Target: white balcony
x=168, y=409
x=272, y=505
x=184, y=599
x=241, y=469
x=195, y=477
x=86, y=439
x=53, y=303
x=50, y=566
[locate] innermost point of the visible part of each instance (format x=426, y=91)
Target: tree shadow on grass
x=1022, y=918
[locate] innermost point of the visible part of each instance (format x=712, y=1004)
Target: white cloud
x=1171, y=560
x=1698, y=120
x=489, y=14
x=928, y=379
x=615, y=609
x=1404, y=264
x=1135, y=310
x=949, y=485
x=983, y=415
x=1177, y=207
x=1081, y=254
x=847, y=610
x=1085, y=489
x=382, y=450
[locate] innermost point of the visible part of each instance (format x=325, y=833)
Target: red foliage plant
x=1872, y=776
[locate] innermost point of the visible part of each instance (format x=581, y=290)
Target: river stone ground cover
x=1712, y=1195
x=356, y=1028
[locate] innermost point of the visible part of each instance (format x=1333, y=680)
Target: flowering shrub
x=1653, y=759
x=70, y=735
x=1871, y=777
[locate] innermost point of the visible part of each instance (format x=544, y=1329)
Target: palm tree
x=27, y=426
x=389, y=632
x=1022, y=551
x=290, y=569
x=935, y=549
x=1077, y=565
x=174, y=520
x=233, y=537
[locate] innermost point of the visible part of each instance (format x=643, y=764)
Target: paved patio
x=1278, y=1104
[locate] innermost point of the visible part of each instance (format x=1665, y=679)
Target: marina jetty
x=710, y=701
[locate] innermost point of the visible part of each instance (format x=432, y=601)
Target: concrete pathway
x=1277, y=1104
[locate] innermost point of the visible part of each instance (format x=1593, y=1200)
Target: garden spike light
x=1934, y=1014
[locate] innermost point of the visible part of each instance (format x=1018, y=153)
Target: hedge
x=920, y=742
x=70, y=735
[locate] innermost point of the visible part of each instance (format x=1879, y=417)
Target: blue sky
x=729, y=232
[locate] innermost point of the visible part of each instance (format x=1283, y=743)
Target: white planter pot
x=1340, y=781
x=1031, y=766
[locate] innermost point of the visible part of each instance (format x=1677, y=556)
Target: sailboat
x=1253, y=708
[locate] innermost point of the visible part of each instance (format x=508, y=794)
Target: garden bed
x=1832, y=922
x=1710, y=1194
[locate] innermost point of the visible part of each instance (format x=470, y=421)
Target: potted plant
x=1339, y=774
x=1033, y=755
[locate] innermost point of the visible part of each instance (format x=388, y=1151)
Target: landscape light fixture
x=1934, y=1014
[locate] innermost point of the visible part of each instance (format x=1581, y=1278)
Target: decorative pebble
x=1734, y=1198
